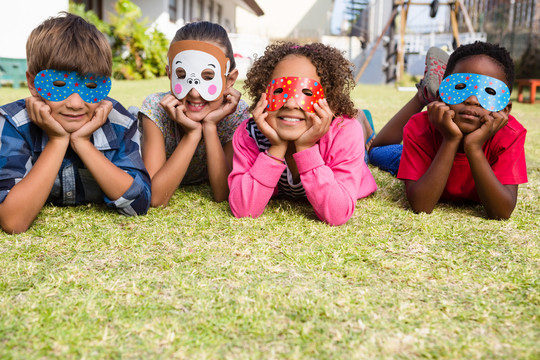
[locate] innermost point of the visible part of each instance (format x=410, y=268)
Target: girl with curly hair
x=302, y=141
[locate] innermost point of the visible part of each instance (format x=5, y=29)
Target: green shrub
x=138, y=51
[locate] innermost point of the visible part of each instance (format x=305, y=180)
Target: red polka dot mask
x=57, y=85
x=305, y=91
x=492, y=94
x=197, y=65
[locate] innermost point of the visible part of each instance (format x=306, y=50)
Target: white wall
x=156, y=12
x=287, y=19
x=19, y=18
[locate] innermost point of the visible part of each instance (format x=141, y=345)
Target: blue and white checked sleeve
x=136, y=200
x=15, y=156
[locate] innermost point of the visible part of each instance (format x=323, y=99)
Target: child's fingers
x=260, y=120
x=261, y=105
x=180, y=115
x=231, y=99
x=323, y=110
x=37, y=109
x=104, y=108
x=324, y=113
x=313, y=121
x=500, y=119
x=447, y=114
x=182, y=119
x=169, y=103
x=232, y=95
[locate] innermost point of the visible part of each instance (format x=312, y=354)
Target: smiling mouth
x=196, y=105
x=290, y=119
x=469, y=113
x=73, y=116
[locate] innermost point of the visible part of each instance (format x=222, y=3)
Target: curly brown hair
x=334, y=70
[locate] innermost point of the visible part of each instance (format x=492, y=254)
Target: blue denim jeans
x=386, y=157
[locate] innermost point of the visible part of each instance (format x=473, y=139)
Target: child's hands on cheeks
x=100, y=116
x=320, y=122
x=442, y=118
x=490, y=124
x=259, y=116
x=231, y=97
x=40, y=114
x=175, y=110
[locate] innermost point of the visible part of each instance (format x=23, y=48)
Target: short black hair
x=494, y=51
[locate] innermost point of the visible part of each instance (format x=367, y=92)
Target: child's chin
x=71, y=128
x=290, y=137
x=196, y=116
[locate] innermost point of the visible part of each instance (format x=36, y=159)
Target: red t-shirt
x=505, y=152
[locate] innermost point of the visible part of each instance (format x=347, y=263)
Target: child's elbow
x=336, y=222
x=243, y=213
x=335, y=219
x=418, y=209
x=158, y=199
x=221, y=197
x=14, y=226
x=499, y=217
x=505, y=215
x=420, y=206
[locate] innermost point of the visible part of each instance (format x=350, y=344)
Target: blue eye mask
x=492, y=94
x=56, y=85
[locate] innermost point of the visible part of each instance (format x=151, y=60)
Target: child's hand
x=175, y=110
x=490, y=124
x=320, y=123
x=442, y=118
x=100, y=117
x=169, y=103
x=259, y=115
x=231, y=97
x=40, y=114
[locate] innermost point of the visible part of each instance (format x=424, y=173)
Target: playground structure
x=394, y=39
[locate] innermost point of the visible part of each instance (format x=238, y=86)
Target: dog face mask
x=57, y=85
x=305, y=91
x=197, y=65
x=492, y=94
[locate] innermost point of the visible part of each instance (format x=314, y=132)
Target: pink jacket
x=333, y=173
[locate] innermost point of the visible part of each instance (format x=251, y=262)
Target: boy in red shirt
x=467, y=146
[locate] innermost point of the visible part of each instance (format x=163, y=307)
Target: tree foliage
x=138, y=50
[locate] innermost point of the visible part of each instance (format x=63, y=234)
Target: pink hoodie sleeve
x=333, y=172
x=254, y=177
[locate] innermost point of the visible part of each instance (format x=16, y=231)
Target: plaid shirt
x=21, y=143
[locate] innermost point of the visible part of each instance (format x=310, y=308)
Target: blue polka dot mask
x=57, y=85
x=492, y=94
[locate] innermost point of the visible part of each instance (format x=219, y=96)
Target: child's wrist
x=278, y=159
x=78, y=142
x=208, y=125
x=61, y=140
x=193, y=133
x=302, y=147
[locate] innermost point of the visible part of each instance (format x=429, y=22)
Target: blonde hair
x=69, y=43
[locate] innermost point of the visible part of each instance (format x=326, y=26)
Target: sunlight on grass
x=191, y=281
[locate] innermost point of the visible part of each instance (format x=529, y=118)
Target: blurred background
x=386, y=40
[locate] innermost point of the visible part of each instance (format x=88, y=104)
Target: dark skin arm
x=424, y=193
x=498, y=200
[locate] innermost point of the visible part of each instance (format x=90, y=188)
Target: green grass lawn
x=192, y=282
